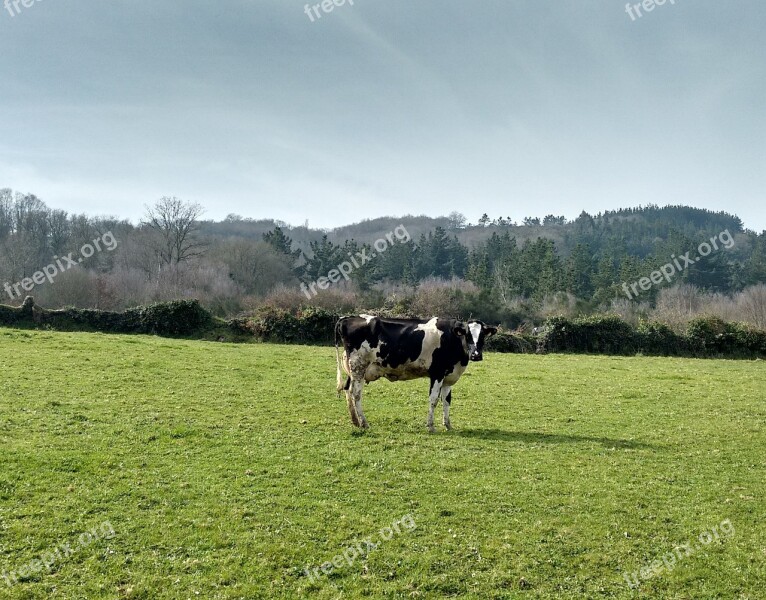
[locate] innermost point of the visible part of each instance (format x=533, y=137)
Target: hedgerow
x=704, y=337
x=181, y=317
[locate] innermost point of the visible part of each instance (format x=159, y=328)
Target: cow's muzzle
x=476, y=356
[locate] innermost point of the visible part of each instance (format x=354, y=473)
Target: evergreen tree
x=325, y=257
x=281, y=243
x=580, y=272
x=604, y=281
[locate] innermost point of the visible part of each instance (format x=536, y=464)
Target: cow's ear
x=490, y=331
x=459, y=329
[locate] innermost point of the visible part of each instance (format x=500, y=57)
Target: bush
x=705, y=337
x=12, y=315
x=710, y=336
x=309, y=326
x=512, y=343
x=706, y=334
x=182, y=317
x=597, y=335
x=337, y=299
x=659, y=339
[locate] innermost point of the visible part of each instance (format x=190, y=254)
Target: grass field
x=225, y=470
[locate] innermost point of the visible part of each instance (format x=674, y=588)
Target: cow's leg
x=356, y=392
x=350, y=402
x=436, y=388
x=352, y=409
x=446, y=402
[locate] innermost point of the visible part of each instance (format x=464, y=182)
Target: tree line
x=238, y=263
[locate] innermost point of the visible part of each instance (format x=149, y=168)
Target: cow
x=404, y=349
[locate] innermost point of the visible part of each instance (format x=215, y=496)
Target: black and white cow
x=402, y=349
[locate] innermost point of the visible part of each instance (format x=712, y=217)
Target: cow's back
x=397, y=349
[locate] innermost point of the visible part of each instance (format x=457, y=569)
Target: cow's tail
x=339, y=379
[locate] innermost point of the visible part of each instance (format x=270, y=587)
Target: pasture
x=225, y=470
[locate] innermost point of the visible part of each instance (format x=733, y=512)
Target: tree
x=256, y=266
x=441, y=256
x=579, y=271
x=753, y=300
x=6, y=213
x=365, y=274
x=554, y=220
x=175, y=224
x=279, y=241
x=603, y=280
x=755, y=265
x=325, y=256
x=584, y=223
x=282, y=243
x=398, y=263
x=456, y=221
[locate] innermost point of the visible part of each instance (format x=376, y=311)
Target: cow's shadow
x=532, y=437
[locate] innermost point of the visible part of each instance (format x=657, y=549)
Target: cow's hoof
x=448, y=426
x=431, y=429
x=364, y=425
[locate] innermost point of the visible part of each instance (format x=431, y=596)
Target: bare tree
x=678, y=304
x=59, y=230
x=456, y=221
x=175, y=224
x=255, y=266
x=753, y=302
x=6, y=213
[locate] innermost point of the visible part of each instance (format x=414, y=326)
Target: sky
x=385, y=107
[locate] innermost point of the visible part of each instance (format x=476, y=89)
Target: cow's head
x=475, y=334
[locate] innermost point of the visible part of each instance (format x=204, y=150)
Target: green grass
x=226, y=469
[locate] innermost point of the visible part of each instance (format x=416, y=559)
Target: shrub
x=707, y=334
x=444, y=298
x=13, y=315
x=513, y=343
x=711, y=336
x=598, y=335
x=317, y=324
x=339, y=299
x=181, y=317
x=659, y=339
x=310, y=325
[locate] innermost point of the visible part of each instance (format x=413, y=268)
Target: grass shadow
x=531, y=437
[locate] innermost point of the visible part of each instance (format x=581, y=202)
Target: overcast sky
x=513, y=108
